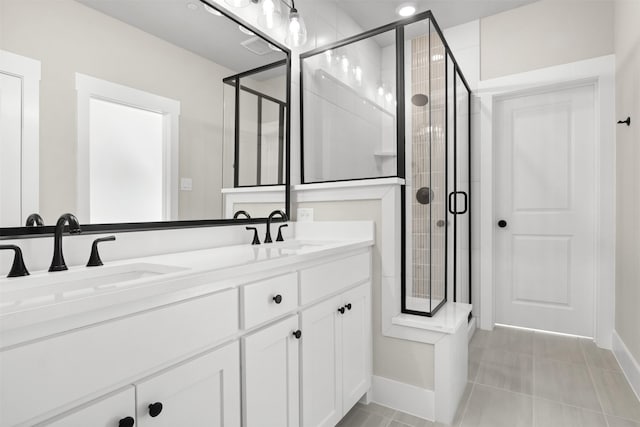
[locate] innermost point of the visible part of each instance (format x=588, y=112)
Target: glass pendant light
x=270, y=14
x=297, y=34
x=238, y=3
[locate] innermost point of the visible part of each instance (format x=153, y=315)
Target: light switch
x=186, y=184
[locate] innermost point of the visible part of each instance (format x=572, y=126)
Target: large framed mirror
x=137, y=114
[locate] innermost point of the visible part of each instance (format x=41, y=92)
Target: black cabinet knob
x=348, y=306
x=126, y=422
x=341, y=310
x=297, y=334
x=155, y=409
x=502, y=223
x=277, y=299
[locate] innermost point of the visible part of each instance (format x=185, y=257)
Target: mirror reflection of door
x=19, y=94
x=127, y=153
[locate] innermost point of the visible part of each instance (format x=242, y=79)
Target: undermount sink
x=48, y=288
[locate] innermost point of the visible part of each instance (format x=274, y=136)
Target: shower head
x=419, y=100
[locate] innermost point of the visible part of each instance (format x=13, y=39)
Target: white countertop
x=32, y=307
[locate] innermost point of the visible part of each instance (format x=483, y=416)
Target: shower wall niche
x=392, y=102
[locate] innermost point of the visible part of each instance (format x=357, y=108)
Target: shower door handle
x=466, y=206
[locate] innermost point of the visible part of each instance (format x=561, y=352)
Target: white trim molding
x=88, y=88
x=601, y=71
x=403, y=397
x=29, y=71
x=627, y=362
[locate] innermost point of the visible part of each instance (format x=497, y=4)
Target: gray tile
x=568, y=383
x=411, y=420
x=558, y=347
x=475, y=355
x=507, y=370
x=397, y=424
x=480, y=339
x=510, y=339
x=356, y=417
x=491, y=407
x=620, y=422
x=616, y=395
x=599, y=357
x=374, y=408
x=552, y=414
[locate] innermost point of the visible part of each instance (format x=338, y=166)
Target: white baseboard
x=628, y=363
x=404, y=397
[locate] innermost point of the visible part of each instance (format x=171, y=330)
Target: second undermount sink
x=49, y=288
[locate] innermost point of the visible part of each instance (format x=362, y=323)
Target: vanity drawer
x=47, y=375
x=329, y=278
x=260, y=299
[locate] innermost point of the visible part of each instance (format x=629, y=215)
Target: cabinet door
x=356, y=345
x=204, y=392
x=107, y=412
x=321, y=365
x=271, y=376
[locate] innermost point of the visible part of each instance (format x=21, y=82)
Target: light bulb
x=328, y=54
x=270, y=14
x=358, y=73
x=389, y=96
x=345, y=63
x=380, y=90
x=238, y=3
x=297, y=30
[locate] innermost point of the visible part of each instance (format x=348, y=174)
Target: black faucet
x=245, y=213
x=34, y=219
x=18, y=268
x=57, y=263
x=273, y=214
x=94, y=258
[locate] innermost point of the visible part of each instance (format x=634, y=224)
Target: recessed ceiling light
x=211, y=10
x=406, y=9
x=246, y=30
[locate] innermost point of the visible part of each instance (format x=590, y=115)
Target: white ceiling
x=448, y=13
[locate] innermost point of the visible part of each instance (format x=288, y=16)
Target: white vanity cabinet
x=336, y=354
x=202, y=392
x=115, y=410
x=271, y=375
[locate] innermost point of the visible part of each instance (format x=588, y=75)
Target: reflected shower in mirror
x=133, y=108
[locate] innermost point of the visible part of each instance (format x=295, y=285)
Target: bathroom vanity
x=268, y=336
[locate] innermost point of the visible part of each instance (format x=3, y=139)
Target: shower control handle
x=502, y=223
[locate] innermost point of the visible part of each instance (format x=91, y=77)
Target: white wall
x=543, y=34
x=49, y=31
x=627, y=46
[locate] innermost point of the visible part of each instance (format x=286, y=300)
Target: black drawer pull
x=126, y=422
x=297, y=334
x=348, y=306
x=277, y=299
x=155, y=409
x=341, y=310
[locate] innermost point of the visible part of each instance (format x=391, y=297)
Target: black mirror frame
x=47, y=231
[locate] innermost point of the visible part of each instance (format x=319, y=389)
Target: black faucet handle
x=34, y=219
x=18, y=268
x=94, y=258
x=256, y=239
x=241, y=212
x=280, y=238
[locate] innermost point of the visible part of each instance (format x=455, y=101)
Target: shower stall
x=393, y=102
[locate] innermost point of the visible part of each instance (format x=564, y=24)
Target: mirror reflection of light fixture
x=270, y=14
x=211, y=10
x=246, y=31
x=297, y=31
x=238, y=3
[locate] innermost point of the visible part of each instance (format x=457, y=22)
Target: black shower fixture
x=419, y=99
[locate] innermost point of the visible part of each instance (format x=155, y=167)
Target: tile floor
x=529, y=379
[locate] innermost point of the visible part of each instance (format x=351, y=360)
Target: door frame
x=29, y=71
x=600, y=71
x=88, y=88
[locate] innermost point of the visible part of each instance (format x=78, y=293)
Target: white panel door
x=271, y=376
x=322, y=364
x=10, y=151
x=356, y=346
x=204, y=392
x=546, y=194
x=117, y=409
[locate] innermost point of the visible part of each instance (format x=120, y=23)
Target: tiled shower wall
x=428, y=169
